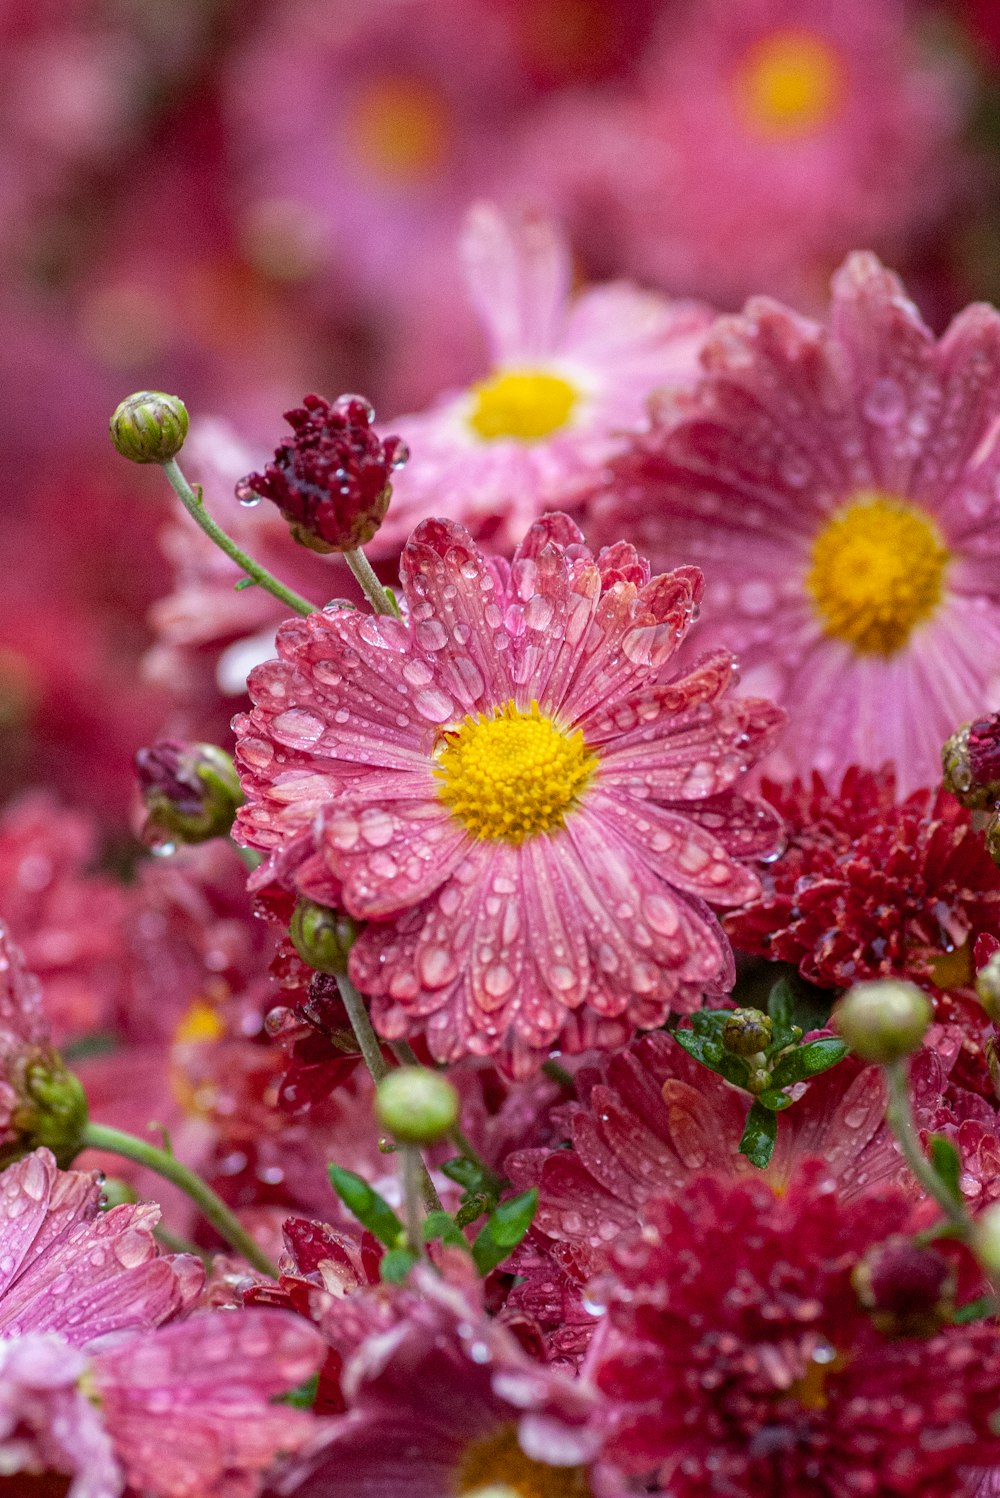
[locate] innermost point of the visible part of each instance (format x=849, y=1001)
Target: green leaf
x=774, y=1101
x=734, y=1068
x=976, y=1310
x=464, y=1171
x=504, y=1230
x=441, y=1225
x=759, y=1136
x=702, y=1047
x=947, y=1164
x=709, y=1021
x=303, y=1397
x=396, y=1265
x=372, y=1210
x=781, y=1005
x=808, y=1060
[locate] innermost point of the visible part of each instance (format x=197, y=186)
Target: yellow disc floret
x=526, y=404
x=512, y=774
x=400, y=128
x=877, y=571
x=497, y=1465
x=790, y=84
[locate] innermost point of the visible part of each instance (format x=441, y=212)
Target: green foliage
x=947, y=1165
x=504, y=1230
x=371, y=1210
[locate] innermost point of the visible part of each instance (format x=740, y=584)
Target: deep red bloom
x=869, y=886
x=739, y=1359
x=331, y=481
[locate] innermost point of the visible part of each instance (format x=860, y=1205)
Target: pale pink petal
x=391, y=855
x=517, y=274
x=695, y=754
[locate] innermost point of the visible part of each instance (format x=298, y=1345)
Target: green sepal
x=947, y=1165
x=504, y=1230
x=759, y=1135
x=396, y=1265
x=809, y=1060
x=371, y=1210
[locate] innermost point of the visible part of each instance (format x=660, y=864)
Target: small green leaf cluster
x=506, y=1224
x=766, y=1074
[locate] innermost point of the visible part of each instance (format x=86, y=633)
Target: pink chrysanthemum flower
x=763, y=141
x=93, y=1387
x=743, y=1355
x=444, y=1401
x=567, y=375
x=839, y=486
x=531, y=811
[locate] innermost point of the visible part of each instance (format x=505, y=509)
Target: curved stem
x=115, y=1141
x=899, y=1117
x=195, y=506
x=378, y=596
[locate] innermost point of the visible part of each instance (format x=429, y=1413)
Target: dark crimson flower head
x=740, y=1360
x=331, y=481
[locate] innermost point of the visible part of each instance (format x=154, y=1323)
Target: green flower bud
x=191, y=792
x=883, y=1021
x=323, y=937
x=988, y=987
x=985, y=1242
x=51, y=1109
x=746, y=1032
x=416, y=1105
x=149, y=427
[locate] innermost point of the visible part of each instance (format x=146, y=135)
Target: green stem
x=103, y=1137
x=195, y=506
x=413, y=1169
x=899, y=1117
x=559, y=1074
x=379, y=597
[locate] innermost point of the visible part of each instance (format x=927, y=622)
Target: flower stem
x=899, y=1117
x=115, y=1141
x=377, y=1065
x=379, y=597
x=192, y=501
x=414, y=1170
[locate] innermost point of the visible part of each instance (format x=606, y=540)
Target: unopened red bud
x=322, y=937
x=971, y=763
x=149, y=427
x=191, y=791
x=746, y=1032
x=883, y=1021
x=331, y=481
x=416, y=1105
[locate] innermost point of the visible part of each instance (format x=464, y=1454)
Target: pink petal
x=517, y=273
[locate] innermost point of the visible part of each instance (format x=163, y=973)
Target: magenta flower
x=93, y=1387
x=839, y=486
x=568, y=374
x=442, y=1401
x=533, y=813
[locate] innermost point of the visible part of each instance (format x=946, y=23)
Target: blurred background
x=243, y=200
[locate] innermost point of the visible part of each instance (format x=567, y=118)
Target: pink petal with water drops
x=692, y=755
x=47, y=1425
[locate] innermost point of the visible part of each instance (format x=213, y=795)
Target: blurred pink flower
x=763, y=142
x=567, y=375
x=839, y=485
x=509, y=786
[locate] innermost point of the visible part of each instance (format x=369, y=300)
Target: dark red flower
x=871, y=887
x=331, y=481
x=740, y=1360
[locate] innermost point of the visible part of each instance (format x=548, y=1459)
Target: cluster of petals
x=605, y=349
x=869, y=885
x=793, y=426
x=95, y=1386
x=755, y=1369
x=579, y=933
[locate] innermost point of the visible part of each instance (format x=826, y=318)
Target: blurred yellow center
x=199, y=1023
x=877, y=571
x=496, y=1467
x=512, y=775
x=810, y=1389
x=525, y=404
x=790, y=84
x=400, y=128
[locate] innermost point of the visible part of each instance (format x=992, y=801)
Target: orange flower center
x=400, y=129
x=789, y=84
x=496, y=1467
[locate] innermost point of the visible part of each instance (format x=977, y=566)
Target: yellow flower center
x=789, y=84
x=400, y=128
x=512, y=775
x=810, y=1389
x=496, y=1467
x=199, y=1025
x=877, y=571
x=526, y=404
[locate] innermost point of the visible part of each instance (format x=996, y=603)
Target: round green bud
x=191, y=791
x=322, y=937
x=52, y=1110
x=985, y=1243
x=149, y=427
x=988, y=987
x=883, y=1021
x=746, y=1032
x=416, y=1105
